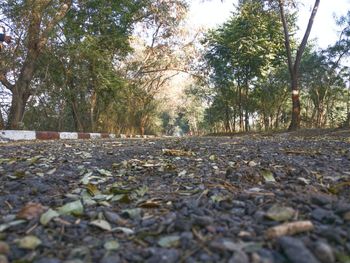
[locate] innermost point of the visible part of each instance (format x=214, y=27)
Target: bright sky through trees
x=212, y=13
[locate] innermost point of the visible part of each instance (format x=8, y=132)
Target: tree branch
x=306, y=35
x=58, y=17
x=286, y=36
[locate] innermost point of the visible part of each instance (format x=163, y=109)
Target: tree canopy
x=113, y=66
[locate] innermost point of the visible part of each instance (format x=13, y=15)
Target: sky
x=211, y=13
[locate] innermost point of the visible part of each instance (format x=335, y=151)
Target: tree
x=294, y=64
x=341, y=50
x=270, y=95
x=77, y=75
x=245, y=48
x=155, y=60
x=35, y=20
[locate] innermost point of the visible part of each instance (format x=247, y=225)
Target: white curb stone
x=95, y=135
x=68, y=135
x=17, y=135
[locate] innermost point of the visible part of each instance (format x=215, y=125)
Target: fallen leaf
x=141, y=191
x=48, y=216
x=4, y=160
x=169, y=241
x=111, y=245
x=86, y=178
x=132, y=213
x=182, y=173
x=51, y=172
x=172, y=152
x=123, y=198
x=29, y=242
x=229, y=245
x=117, y=189
x=212, y=157
x=31, y=211
x=150, y=204
x=280, y=213
x=337, y=188
x=104, y=172
x=88, y=201
x=103, y=224
x=19, y=174
x=125, y=230
x=33, y=160
x=252, y=163
x=216, y=198
x=268, y=176
x=74, y=208
x=5, y=226
x=303, y=180
x=102, y=197
x=104, y=203
x=342, y=257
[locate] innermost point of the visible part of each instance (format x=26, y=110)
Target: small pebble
x=48, y=260
x=324, y=252
x=296, y=251
x=346, y=216
x=320, y=200
x=4, y=248
x=3, y=259
x=202, y=221
x=165, y=255
x=323, y=215
x=111, y=259
x=239, y=257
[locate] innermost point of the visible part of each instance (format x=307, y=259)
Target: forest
x=136, y=67
x=128, y=133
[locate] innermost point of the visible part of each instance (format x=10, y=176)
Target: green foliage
x=323, y=83
x=104, y=63
x=247, y=48
x=84, y=78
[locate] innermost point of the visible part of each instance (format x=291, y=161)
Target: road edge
x=24, y=135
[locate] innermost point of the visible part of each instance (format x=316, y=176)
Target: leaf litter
x=193, y=199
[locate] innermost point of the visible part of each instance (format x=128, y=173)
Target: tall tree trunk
x=266, y=122
x=240, y=109
x=295, y=65
x=347, y=122
x=246, y=112
x=246, y=106
x=234, y=119
x=18, y=104
x=277, y=120
x=93, y=101
x=21, y=91
x=61, y=116
x=77, y=122
x=295, y=122
x=227, y=118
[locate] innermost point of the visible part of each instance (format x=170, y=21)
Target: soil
x=262, y=198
